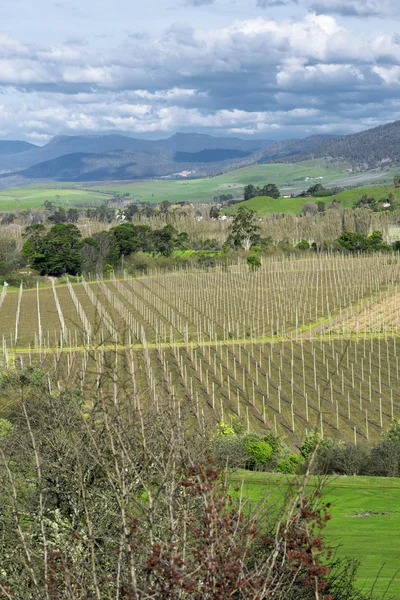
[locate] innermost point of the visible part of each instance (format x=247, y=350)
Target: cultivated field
x=288, y=177
x=278, y=347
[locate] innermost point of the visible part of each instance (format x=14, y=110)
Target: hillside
x=264, y=205
x=8, y=147
x=373, y=148
x=293, y=147
x=133, y=164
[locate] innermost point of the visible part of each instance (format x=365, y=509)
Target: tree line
x=62, y=249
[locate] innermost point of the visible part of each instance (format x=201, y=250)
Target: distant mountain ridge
x=98, y=144
x=14, y=147
x=117, y=156
x=150, y=162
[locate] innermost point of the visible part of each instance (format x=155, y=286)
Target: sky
x=271, y=69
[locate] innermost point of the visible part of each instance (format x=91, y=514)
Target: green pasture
x=359, y=529
x=290, y=178
x=203, y=190
x=33, y=196
x=264, y=205
x=381, y=192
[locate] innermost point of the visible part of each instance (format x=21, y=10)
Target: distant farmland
x=300, y=344
x=289, y=178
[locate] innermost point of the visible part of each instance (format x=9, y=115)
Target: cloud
x=272, y=3
x=357, y=8
x=199, y=2
x=276, y=78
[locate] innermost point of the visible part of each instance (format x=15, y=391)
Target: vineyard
x=298, y=344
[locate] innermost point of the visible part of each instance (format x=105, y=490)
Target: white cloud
x=256, y=75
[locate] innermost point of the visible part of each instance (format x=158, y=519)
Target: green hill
x=264, y=205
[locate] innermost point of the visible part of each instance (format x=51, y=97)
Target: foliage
x=224, y=429
x=393, y=433
x=234, y=447
x=116, y=502
x=359, y=242
x=291, y=464
x=303, y=245
x=55, y=252
x=258, y=450
x=254, y=262
x=244, y=228
x=6, y=428
x=270, y=190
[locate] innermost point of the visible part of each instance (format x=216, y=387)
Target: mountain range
x=120, y=157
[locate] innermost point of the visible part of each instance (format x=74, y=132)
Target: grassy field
x=264, y=205
x=33, y=196
x=200, y=190
x=374, y=539
x=289, y=178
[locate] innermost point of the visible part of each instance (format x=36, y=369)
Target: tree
x=125, y=240
x=249, y=192
x=214, y=212
x=244, y=228
x=164, y=207
x=321, y=206
x=10, y=258
x=59, y=216
x=310, y=208
x=271, y=190
x=163, y=240
x=55, y=252
x=131, y=210
x=72, y=215
x=352, y=241
x=314, y=189
x=396, y=180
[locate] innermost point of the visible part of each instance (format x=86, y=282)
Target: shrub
x=385, y=459
x=259, y=451
x=138, y=262
x=291, y=464
x=254, y=262
x=303, y=245
x=342, y=459
x=5, y=428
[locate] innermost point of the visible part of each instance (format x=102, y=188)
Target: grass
x=33, y=196
x=264, y=205
x=289, y=178
x=374, y=539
